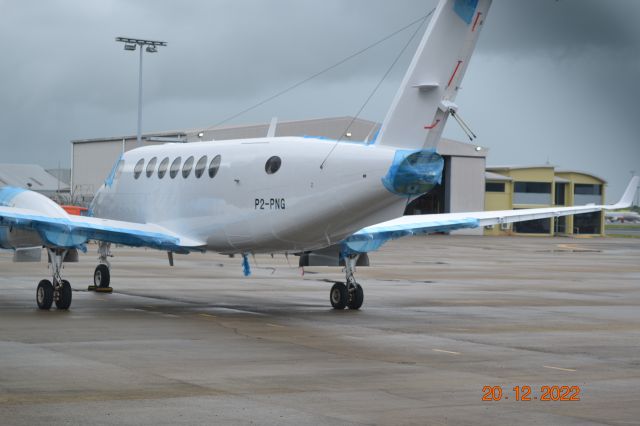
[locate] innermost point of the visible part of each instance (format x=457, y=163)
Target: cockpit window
x=214, y=166
x=175, y=167
x=151, y=166
x=202, y=164
x=273, y=165
x=162, y=168
x=186, y=169
x=137, y=171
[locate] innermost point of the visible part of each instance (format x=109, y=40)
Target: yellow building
x=513, y=187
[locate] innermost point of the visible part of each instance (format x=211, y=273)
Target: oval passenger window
x=175, y=167
x=273, y=165
x=137, y=171
x=186, y=169
x=200, y=166
x=214, y=166
x=151, y=166
x=162, y=168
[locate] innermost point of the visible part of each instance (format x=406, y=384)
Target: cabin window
x=175, y=167
x=162, y=168
x=200, y=166
x=186, y=169
x=273, y=165
x=214, y=166
x=137, y=171
x=151, y=166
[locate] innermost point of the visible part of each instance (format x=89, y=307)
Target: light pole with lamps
x=151, y=47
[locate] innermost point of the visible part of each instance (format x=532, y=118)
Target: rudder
x=421, y=106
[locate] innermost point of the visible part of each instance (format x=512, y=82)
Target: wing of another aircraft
x=372, y=237
x=70, y=231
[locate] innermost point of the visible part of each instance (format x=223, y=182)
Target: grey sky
x=551, y=80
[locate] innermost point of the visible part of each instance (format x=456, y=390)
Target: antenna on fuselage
x=271, y=133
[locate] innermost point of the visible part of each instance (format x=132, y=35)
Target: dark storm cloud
x=525, y=26
x=62, y=76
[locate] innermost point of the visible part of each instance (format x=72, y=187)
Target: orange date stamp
x=525, y=393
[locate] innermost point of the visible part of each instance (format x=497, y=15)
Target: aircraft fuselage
x=243, y=208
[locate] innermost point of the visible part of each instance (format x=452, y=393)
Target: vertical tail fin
x=420, y=109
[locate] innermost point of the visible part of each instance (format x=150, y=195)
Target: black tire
x=339, y=296
x=102, y=276
x=357, y=298
x=44, y=295
x=64, y=295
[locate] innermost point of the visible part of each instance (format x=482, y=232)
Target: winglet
x=627, y=197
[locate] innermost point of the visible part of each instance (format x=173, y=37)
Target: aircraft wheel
x=101, y=276
x=357, y=298
x=339, y=296
x=44, y=294
x=64, y=295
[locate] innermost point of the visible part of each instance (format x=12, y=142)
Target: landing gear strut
x=350, y=293
x=102, y=274
x=60, y=290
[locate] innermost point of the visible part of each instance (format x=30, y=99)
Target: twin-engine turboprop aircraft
x=308, y=196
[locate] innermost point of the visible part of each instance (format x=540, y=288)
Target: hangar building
x=520, y=187
x=462, y=188
x=32, y=177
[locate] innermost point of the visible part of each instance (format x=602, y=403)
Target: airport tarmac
x=444, y=316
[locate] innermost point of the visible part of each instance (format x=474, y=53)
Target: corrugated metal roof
x=30, y=176
x=581, y=173
x=516, y=167
x=496, y=176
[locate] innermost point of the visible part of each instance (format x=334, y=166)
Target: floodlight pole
x=132, y=44
x=139, y=133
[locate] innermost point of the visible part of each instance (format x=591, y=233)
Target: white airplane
x=327, y=200
x=622, y=217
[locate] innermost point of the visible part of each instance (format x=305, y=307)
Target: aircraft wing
x=372, y=237
x=74, y=231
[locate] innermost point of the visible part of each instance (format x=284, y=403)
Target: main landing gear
x=349, y=294
x=60, y=290
x=102, y=274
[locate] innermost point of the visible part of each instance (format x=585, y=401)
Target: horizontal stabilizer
x=426, y=86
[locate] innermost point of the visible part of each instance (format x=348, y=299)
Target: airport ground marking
x=274, y=325
x=558, y=368
x=446, y=352
x=207, y=316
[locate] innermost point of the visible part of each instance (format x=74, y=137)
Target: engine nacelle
x=12, y=237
